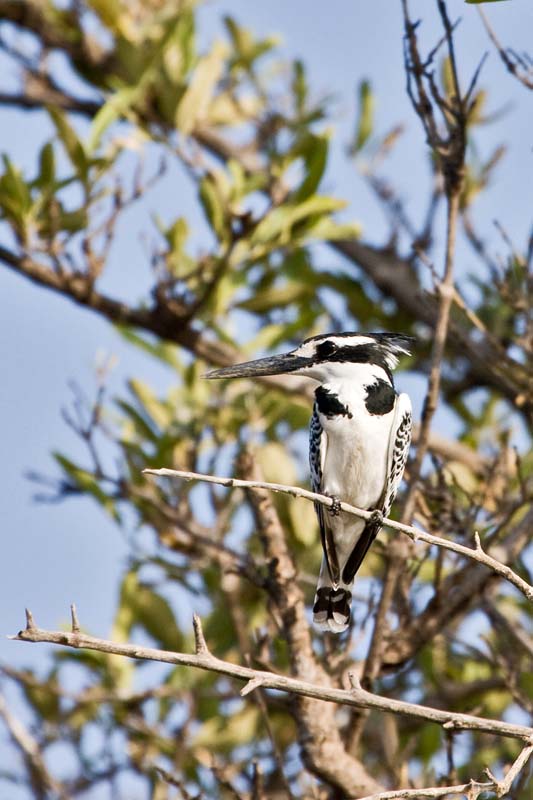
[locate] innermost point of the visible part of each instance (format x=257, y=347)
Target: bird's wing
x=318, y=443
x=399, y=441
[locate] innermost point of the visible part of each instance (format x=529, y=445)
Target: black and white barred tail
x=331, y=607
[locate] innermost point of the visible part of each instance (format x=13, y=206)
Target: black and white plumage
x=359, y=440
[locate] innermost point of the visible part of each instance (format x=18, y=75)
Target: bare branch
x=41, y=780
x=503, y=787
x=471, y=790
x=514, y=64
x=356, y=697
x=415, y=534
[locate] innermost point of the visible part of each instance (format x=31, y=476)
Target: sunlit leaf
x=71, y=142
x=195, y=102
x=314, y=150
x=365, y=122
x=140, y=605
x=212, y=204
x=112, y=110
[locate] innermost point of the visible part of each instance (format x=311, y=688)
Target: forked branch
x=471, y=790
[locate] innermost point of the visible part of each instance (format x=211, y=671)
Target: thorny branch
x=356, y=696
x=415, y=534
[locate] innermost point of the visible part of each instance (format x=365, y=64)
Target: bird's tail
x=331, y=609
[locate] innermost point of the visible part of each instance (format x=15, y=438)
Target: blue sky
x=53, y=555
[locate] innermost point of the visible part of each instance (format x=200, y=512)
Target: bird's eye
x=326, y=349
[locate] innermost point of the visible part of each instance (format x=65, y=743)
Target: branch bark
x=356, y=697
x=415, y=534
x=470, y=790
x=318, y=732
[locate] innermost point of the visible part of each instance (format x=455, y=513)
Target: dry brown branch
x=415, y=534
x=356, y=697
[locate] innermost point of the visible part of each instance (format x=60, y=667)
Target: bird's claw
x=335, y=507
x=376, y=517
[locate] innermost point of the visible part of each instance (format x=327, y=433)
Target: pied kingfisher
x=359, y=440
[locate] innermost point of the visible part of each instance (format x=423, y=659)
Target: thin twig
x=512, y=64
x=415, y=534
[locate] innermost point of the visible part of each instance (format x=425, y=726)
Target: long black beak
x=271, y=365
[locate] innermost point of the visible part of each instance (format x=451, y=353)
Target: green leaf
x=47, y=169
x=87, y=483
x=195, y=102
x=15, y=195
x=277, y=223
x=141, y=605
x=42, y=697
x=276, y=297
x=365, y=122
x=73, y=221
x=212, y=204
x=428, y=741
x=71, y=142
x=157, y=348
x=327, y=230
x=247, y=49
x=299, y=86
x=225, y=733
x=179, y=56
x=112, y=110
x=304, y=524
x=314, y=150
x=110, y=13
x=154, y=408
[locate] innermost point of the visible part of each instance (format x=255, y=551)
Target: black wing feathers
x=360, y=550
x=316, y=441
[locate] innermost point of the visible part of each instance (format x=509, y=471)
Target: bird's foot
x=335, y=507
x=376, y=517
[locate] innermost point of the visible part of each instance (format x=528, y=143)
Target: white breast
x=355, y=466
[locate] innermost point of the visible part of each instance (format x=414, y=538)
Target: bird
x=359, y=438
